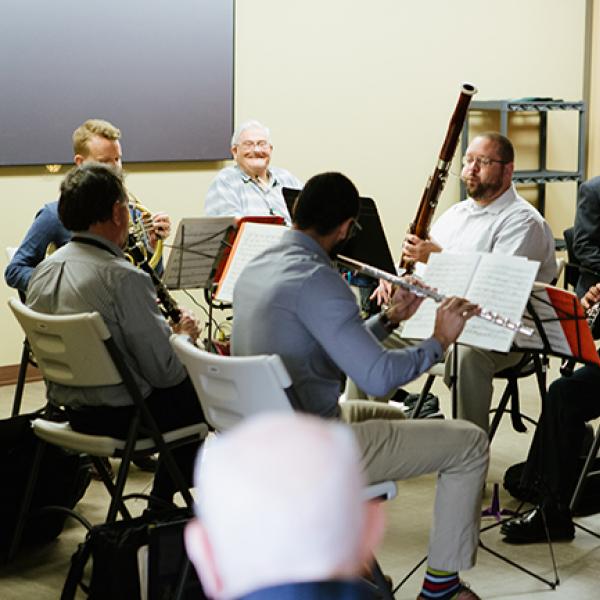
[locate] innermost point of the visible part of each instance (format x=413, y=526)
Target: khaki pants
x=394, y=448
x=475, y=373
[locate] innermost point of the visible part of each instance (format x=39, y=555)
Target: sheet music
x=502, y=284
x=194, y=252
x=450, y=274
x=496, y=282
x=252, y=240
x=552, y=327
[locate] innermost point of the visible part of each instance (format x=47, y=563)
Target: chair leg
x=422, y=397
x=111, y=487
x=499, y=411
x=27, y=498
x=515, y=409
x=119, y=486
x=16, y=407
x=587, y=467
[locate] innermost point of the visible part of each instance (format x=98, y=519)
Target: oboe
x=421, y=291
x=435, y=183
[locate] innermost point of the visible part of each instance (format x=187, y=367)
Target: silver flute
x=424, y=292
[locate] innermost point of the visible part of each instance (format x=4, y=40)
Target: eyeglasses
x=481, y=161
x=250, y=145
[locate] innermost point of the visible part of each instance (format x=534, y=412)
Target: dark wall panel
x=161, y=70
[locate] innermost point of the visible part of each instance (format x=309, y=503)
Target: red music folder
x=563, y=320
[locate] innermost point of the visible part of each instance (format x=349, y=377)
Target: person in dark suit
x=586, y=235
x=551, y=470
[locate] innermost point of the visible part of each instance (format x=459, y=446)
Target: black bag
x=589, y=502
x=113, y=548
x=62, y=480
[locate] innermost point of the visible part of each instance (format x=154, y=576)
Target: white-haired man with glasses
x=494, y=218
x=251, y=187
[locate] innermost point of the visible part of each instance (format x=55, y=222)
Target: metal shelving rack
x=542, y=175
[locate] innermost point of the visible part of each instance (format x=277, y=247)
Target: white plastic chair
x=232, y=388
x=78, y=351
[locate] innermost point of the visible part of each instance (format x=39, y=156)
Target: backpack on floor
x=116, y=551
x=62, y=480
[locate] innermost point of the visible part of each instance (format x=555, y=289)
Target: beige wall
x=594, y=112
x=362, y=87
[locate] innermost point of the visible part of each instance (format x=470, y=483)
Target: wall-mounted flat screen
x=160, y=70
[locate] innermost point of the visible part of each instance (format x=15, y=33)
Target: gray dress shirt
x=291, y=302
x=81, y=278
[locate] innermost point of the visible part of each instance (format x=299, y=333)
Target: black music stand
x=368, y=244
x=198, y=255
x=196, y=252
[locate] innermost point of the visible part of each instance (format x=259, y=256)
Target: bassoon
x=435, y=183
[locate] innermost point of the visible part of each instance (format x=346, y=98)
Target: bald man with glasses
x=494, y=218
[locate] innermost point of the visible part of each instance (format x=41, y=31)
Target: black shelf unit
x=542, y=175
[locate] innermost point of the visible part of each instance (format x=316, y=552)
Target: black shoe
x=529, y=529
x=146, y=463
x=429, y=410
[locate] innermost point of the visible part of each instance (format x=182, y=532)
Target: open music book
x=251, y=240
x=565, y=329
x=496, y=282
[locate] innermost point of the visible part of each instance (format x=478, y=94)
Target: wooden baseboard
x=10, y=373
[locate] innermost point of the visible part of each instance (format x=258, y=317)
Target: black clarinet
x=137, y=252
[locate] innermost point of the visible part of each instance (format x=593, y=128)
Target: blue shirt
x=234, y=193
x=291, y=302
x=46, y=229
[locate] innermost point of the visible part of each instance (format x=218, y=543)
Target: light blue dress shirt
x=291, y=302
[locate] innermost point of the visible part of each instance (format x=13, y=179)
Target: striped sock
x=440, y=585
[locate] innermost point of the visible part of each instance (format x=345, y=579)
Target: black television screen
x=161, y=71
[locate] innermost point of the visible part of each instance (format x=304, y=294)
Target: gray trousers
x=394, y=448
